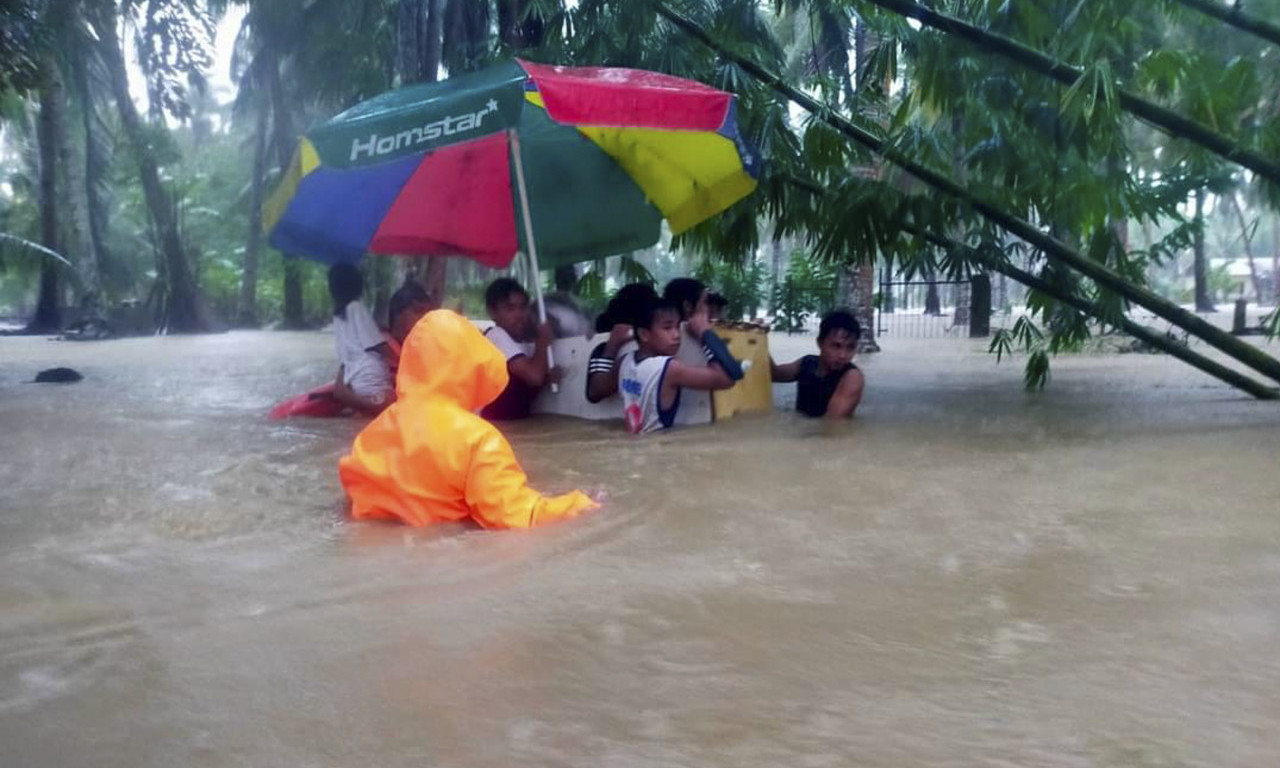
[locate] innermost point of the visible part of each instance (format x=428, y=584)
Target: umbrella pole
x=523, y=192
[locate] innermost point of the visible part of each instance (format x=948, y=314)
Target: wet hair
x=839, y=320
x=502, y=289
x=683, y=290
x=406, y=296
x=626, y=306
x=716, y=300
x=346, y=285
x=653, y=310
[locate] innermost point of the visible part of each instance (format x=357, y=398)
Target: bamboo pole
x=513, y=138
x=1050, y=246
x=1167, y=120
x=1235, y=17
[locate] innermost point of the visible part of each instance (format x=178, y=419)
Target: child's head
x=716, y=305
x=407, y=306
x=658, y=328
x=346, y=284
x=508, y=305
x=838, y=339
x=685, y=293
x=626, y=306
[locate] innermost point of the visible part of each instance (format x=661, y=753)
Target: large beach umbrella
x=565, y=164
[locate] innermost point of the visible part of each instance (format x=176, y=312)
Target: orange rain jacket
x=429, y=458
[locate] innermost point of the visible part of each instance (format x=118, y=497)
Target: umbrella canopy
x=429, y=169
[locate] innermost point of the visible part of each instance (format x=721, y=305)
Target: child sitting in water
x=618, y=320
x=364, y=357
x=428, y=458
x=828, y=383
x=407, y=306
x=651, y=379
x=508, y=306
x=687, y=294
x=716, y=307
x=691, y=296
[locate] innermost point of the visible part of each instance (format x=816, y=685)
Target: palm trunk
x=1051, y=247
x=508, y=22
x=247, y=309
x=432, y=40
x=864, y=292
x=775, y=271
x=88, y=285
x=381, y=275
x=1200, y=267
x=1167, y=120
x=183, y=312
x=96, y=165
x=437, y=271
x=48, y=316
x=1275, y=262
x=421, y=43
x=294, y=312
x=294, y=309
x=409, y=26
x=862, y=277
x=1248, y=249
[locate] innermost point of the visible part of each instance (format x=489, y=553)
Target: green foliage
x=742, y=285
x=1036, y=373
x=630, y=270
x=174, y=43
x=807, y=289
x=1028, y=337
x=592, y=286
x=1271, y=324
x=24, y=34
x=22, y=247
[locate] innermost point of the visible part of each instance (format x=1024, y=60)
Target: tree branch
x=1050, y=246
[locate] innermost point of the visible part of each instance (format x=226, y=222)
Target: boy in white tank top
x=650, y=378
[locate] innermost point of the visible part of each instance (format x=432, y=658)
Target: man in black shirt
x=828, y=384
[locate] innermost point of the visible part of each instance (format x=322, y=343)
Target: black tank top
x=813, y=392
x=515, y=402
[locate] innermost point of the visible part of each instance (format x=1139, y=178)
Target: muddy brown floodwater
x=967, y=575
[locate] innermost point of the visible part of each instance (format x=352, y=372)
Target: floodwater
x=967, y=575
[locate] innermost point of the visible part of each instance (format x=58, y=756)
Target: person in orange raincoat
x=428, y=458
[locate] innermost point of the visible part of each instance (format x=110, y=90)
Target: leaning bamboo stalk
x=1141, y=332
x=1167, y=120
x=1050, y=246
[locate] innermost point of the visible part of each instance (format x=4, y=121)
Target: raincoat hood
x=446, y=356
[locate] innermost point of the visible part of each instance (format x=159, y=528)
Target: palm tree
x=182, y=309
x=299, y=41
x=91, y=84
x=822, y=33
x=35, y=35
